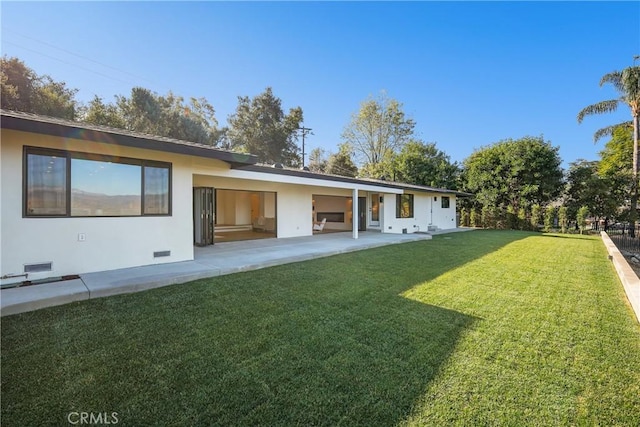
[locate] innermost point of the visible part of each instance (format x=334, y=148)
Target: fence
x=621, y=235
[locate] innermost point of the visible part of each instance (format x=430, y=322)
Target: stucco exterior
x=77, y=245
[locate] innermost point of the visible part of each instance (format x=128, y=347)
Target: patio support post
x=354, y=214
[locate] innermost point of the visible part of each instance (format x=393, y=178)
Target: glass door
x=375, y=210
x=203, y=215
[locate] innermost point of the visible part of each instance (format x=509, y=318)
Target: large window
x=404, y=205
x=445, y=202
x=62, y=183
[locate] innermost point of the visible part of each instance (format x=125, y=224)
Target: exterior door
x=362, y=214
x=374, y=220
x=203, y=215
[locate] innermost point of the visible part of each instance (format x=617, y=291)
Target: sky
x=469, y=73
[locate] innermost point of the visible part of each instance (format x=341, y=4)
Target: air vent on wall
x=159, y=254
x=38, y=268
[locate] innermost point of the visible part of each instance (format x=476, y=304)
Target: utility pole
x=305, y=132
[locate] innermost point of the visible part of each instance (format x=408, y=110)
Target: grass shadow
x=324, y=342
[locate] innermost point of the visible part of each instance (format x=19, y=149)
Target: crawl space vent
x=38, y=268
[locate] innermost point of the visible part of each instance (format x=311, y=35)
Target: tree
x=615, y=166
x=317, y=160
x=473, y=218
x=259, y=126
x=581, y=218
x=536, y=215
x=22, y=89
x=423, y=164
x=377, y=131
x=563, y=218
x=169, y=116
x=99, y=113
x=464, y=217
x=516, y=173
x=549, y=216
x=341, y=163
x=627, y=84
x=585, y=187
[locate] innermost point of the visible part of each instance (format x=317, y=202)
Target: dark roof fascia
x=66, y=129
x=338, y=178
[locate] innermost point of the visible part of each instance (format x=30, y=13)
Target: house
x=79, y=198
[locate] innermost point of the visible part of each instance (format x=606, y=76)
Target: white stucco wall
x=426, y=212
x=110, y=243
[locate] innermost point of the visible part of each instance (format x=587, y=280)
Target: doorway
x=203, y=215
x=362, y=214
x=375, y=210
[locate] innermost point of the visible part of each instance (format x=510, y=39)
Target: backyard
x=475, y=328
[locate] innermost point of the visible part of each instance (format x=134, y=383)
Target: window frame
x=399, y=198
x=69, y=156
x=442, y=202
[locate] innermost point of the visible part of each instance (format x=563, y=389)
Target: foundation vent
x=159, y=254
x=38, y=268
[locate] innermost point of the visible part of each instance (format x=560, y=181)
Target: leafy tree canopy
x=423, y=164
x=259, y=126
x=516, y=173
x=147, y=112
x=317, y=160
x=585, y=187
x=376, y=131
x=341, y=163
x=22, y=89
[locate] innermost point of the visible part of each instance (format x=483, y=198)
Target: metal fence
x=624, y=239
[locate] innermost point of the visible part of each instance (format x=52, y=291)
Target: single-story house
x=79, y=198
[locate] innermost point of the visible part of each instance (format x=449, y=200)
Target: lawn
x=477, y=328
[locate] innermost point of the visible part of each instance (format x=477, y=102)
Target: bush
x=549, y=216
x=535, y=217
x=581, y=218
x=563, y=219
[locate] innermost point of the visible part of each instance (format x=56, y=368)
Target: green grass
x=477, y=328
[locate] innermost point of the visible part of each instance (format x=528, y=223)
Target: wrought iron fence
x=621, y=234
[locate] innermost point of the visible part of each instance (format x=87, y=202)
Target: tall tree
x=423, y=164
x=377, y=131
x=22, y=89
x=585, y=187
x=517, y=173
x=148, y=112
x=259, y=126
x=616, y=166
x=341, y=163
x=627, y=84
x=317, y=160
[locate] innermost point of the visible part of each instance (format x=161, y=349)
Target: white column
x=354, y=215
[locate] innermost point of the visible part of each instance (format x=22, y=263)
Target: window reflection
x=105, y=189
x=46, y=185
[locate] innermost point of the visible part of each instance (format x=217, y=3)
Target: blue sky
x=469, y=73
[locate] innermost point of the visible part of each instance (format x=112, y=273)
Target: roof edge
x=28, y=122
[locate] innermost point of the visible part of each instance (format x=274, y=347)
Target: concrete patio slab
x=210, y=261
x=34, y=297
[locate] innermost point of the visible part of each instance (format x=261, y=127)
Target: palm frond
x=599, y=108
x=609, y=130
x=615, y=78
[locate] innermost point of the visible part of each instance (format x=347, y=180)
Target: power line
x=77, y=55
x=69, y=63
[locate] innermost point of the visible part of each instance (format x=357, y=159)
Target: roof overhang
x=69, y=129
x=370, y=183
